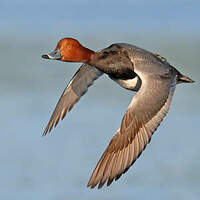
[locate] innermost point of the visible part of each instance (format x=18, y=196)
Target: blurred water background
x=58, y=166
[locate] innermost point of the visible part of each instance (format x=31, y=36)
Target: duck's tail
x=183, y=79
x=180, y=78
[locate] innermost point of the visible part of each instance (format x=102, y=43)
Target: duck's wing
x=77, y=87
x=144, y=114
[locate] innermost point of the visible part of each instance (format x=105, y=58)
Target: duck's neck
x=86, y=55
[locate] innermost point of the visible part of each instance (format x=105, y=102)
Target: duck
x=148, y=74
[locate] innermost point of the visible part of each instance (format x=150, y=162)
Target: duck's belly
x=129, y=84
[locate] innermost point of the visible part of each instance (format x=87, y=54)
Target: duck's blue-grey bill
x=54, y=55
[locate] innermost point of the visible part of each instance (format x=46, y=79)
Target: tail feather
x=184, y=79
x=181, y=78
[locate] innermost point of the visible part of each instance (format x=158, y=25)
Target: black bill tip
x=45, y=56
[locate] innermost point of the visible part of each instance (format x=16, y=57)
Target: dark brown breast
x=115, y=62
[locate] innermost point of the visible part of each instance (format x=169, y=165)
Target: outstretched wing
x=77, y=87
x=144, y=114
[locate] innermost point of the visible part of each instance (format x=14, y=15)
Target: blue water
x=77, y=15
x=59, y=165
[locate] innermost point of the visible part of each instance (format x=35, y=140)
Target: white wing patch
x=129, y=84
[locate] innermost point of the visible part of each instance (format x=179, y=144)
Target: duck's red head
x=70, y=50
